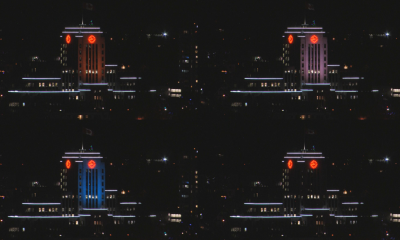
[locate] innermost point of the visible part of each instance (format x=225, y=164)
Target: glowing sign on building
x=314, y=39
x=91, y=39
x=68, y=164
x=290, y=39
x=68, y=39
x=313, y=164
x=91, y=164
x=290, y=164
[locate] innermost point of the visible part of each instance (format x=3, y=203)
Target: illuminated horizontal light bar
x=375, y=90
x=333, y=190
x=263, y=78
x=51, y=217
x=306, y=90
x=317, y=209
x=16, y=91
x=128, y=78
x=78, y=161
x=374, y=215
x=300, y=161
x=303, y=32
x=238, y=91
x=78, y=36
x=128, y=203
x=152, y=90
x=81, y=32
x=302, y=157
x=344, y=91
x=332, y=215
x=81, y=157
x=111, y=190
x=350, y=77
x=332, y=90
x=84, y=215
x=350, y=203
x=346, y=216
x=306, y=215
x=124, y=91
x=111, y=65
x=41, y=78
x=124, y=216
x=301, y=36
x=41, y=203
x=61, y=161
x=238, y=216
x=153, y=216
x=313, y=84
x=94, y=84
x=110, y=215
x=91, y=153
x=82, y=27
x=84, y=90
x=304, y=153
x=304, y=28
x=263, y=203
x=95, y=209
x=333, y=65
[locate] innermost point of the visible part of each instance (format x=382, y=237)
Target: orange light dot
x=313, y=164
x=68, y=164
x=91, y=39
x=314, y=39
x=290, y=164
x=91, y=164
x=68, y=39
x=290, y=39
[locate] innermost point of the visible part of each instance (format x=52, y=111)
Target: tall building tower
x=83, y=51
x=306, y=47
x=90, y=174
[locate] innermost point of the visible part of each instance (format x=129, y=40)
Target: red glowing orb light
x=313, y=164
x=290, y=39
x=91, y=164
x=68, y=39
x=290, y=164
x=91, y=39
x=314, y=39
x=68, y=164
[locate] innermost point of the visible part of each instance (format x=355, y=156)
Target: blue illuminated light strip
x=91, y=153
x=306, y=90
x=16, y=91
x=350, y=78
x=84, y=215
x=122, y=91
x=82, y=28
x=110, y=215
x=128, y=203
x=304, y=153
x=81, y=32
x=238, y=91
x=333, y=190
x=317, y=209
x=128, y=78
x=345, y=91
x=313, y=28
x=303, y=32
x=41, y=78
x=79, y=36
x=238, y=216
x=263, y=203
x=111, y=65
x=302, y=157
x=350, y=203
x=51, y=217
x=95, y=209
x=332, y=215
x=263, y=78
x=346, y=216
x=333, y=65
x=78, y=161
x=306, y=215
x=332, y=90
x=81, y=157
x=111, y=190
x=124, y=216
x=94, y=84
x=300, y=161
x=317, y=84
x=84, y=90
x=41, y=203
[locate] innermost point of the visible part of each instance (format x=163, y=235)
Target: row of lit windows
x=42, y=84
x=267, y=210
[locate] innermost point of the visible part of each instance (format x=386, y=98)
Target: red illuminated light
x=290, y=39
x=91, y=164
x=91, y=39
x=68, y=164
x=314, y=39
x=313, y=164
x=290, y=164
x=68, y=39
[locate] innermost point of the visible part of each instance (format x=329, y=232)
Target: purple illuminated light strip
x=302, y=157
